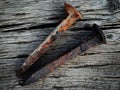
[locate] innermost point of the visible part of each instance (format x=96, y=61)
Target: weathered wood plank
x=25, y=24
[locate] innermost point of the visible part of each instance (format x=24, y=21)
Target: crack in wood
x=99, y=53
x=42, y=26
x=96, y=65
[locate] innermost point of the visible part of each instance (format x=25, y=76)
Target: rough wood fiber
x=24, y=24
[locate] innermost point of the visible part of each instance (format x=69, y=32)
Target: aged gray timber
x=24, y=24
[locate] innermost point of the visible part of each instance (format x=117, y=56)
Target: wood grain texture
x=24, y=24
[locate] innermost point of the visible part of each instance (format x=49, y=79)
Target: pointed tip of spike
x=71, y=10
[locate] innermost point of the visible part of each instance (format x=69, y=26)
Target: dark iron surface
x=45, y=67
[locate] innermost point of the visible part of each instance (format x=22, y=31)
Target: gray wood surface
x=24, y=24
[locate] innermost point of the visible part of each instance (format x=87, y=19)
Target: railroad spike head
x=72, y=11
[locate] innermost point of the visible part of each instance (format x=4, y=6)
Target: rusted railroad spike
x=96, y=39
x=72, y=17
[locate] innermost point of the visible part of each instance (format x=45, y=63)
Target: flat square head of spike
x=73, y=11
